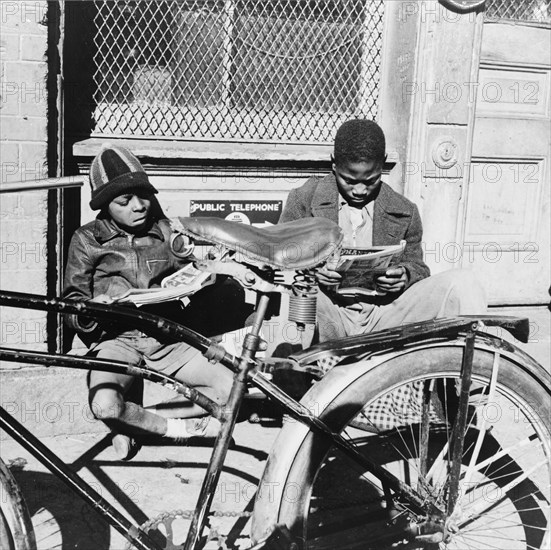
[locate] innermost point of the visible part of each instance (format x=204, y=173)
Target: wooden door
x=506, y=230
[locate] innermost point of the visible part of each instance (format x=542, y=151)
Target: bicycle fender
x=273, y=487
x=273, y=484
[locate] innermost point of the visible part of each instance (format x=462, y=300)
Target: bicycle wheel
x=505, y=480
x=16, y=530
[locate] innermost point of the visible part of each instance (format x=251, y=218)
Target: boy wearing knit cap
x=128, y=246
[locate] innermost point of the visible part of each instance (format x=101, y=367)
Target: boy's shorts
x=138, y=348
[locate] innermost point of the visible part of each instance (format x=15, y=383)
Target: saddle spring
x=303, y=301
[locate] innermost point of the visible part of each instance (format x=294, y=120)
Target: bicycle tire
x=327, y=504
x=16, y=529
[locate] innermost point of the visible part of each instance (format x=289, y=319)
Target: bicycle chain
x=167, y=519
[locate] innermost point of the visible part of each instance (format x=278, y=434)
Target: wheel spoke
x=487, y=544
x=504, y=452
x=482, y=429
x=424, y=433
x=502, y=466
x=478, y=510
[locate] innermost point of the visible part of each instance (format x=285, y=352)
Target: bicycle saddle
x=300, y=244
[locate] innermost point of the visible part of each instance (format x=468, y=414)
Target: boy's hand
x=394, y=280
x=328, y=277
x=102, y=299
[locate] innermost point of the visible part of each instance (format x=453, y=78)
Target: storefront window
x=266, y=70
x=538, y=11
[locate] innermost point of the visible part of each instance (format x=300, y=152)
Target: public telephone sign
x=248, y=212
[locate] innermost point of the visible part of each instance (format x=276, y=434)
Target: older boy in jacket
x=372, y=214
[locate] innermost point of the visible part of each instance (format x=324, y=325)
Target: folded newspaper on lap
x=360, y=268
x=178, y=286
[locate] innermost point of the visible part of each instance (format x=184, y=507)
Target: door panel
x=506, y=229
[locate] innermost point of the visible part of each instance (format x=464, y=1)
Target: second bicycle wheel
x=505, y=478
x=16, y=530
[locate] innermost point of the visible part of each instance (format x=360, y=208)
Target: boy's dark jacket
x=105, y=260
x=394, y=218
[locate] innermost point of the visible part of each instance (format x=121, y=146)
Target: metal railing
x=47, y=331
x=64, y=182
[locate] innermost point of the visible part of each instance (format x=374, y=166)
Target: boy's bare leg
x=212, y=380
x=108, y=404
x=180, y=407
x=176, y=407
x=107, y=398
x=125, y=418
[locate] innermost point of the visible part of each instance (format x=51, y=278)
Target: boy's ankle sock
x=177, y=428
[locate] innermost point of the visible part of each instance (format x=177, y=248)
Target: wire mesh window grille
x=519, y=10
x=268, y=70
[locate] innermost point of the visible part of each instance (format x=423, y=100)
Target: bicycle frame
x=246, y=369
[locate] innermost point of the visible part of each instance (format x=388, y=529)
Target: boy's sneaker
x=207, y=426
x=182, y=429
x=125, y=446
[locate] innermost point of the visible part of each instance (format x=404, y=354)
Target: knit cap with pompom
x=116, y=171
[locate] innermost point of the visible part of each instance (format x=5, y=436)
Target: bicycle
x=402, y=425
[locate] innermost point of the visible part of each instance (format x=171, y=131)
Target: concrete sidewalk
x=159, y=479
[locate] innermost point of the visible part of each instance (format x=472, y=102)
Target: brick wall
x=23, y=135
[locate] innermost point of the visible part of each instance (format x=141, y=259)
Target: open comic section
x=185, y=282
x=360, y=267
x=178, y=286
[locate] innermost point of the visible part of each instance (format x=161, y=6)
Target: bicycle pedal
x=254, y=418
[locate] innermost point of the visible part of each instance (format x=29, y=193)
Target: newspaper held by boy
x=177, y=286
x=360, y=268
x=184, y=282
